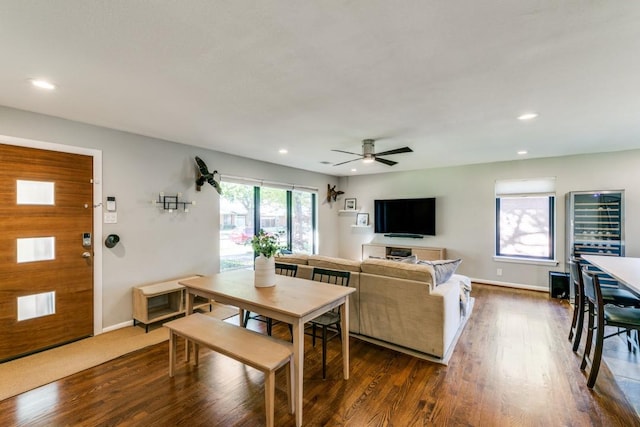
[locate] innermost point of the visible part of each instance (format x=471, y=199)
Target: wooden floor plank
x=513, y=366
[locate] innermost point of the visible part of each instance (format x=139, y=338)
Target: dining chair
x=610, y=295
x=600, y=315
x=286, y=270
x=330, y=318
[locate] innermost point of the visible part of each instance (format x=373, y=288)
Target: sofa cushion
x=443, y=269
x=401, y=270
x=301, y=259
x=334, y=263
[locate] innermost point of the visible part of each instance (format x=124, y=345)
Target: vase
x=265, y=272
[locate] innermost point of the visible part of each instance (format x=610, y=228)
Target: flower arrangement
x=265, y=244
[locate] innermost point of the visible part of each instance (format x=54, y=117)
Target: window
x=525, y=219
x=246, y=208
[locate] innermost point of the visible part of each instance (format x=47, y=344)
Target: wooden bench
x=259, y=351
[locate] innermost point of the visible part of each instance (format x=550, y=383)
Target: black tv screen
x=405, y=216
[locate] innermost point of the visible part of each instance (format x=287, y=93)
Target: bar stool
x=614, y=296
x=626, y=319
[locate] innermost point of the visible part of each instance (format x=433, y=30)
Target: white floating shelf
x=349, y=211
x=361, y=226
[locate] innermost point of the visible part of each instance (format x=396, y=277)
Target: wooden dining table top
x=291, y=296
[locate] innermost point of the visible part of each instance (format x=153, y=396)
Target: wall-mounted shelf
x=361, y=226
x=351, y=211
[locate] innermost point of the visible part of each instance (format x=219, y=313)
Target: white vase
x=265, y=272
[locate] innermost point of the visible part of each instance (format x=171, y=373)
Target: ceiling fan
x=369, y=155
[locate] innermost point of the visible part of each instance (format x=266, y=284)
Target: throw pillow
x=444, y=269
x=410, y=259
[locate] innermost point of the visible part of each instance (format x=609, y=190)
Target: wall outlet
x=499, y=272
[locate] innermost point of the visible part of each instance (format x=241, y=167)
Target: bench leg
x=290, y=391
x=269, y=394
x=172, y=353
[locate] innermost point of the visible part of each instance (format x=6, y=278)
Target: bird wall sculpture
x=332, y=193
x=205, y=176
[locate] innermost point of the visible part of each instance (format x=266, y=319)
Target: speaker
x=559, y=284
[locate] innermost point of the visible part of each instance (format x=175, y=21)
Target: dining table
x=291, y=300
x=626, y=270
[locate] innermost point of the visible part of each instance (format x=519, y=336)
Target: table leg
x=172, y=353
x=241, y=317
x=188, y=312
x=298, y=364
x=344, y=320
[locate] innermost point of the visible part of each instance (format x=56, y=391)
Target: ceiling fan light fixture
x=368, y=158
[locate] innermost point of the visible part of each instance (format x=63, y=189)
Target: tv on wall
x=410, y=217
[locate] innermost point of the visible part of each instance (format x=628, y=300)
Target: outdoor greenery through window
x=525, y=219
x=246, y=209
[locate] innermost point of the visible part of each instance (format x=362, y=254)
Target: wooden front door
x=46, y=272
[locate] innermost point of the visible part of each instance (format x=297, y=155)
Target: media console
x=383, y=250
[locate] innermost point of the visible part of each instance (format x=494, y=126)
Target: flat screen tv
x=405, y=216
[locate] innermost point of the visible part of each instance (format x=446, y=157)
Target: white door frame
x=97, y=212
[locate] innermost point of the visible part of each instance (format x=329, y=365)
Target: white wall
x=156, y=245
x=465, y=207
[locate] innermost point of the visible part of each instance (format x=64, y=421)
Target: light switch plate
x=111, y=217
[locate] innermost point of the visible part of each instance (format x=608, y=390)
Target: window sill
x=515, y=260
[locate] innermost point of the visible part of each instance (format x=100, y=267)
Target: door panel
x=69, y=274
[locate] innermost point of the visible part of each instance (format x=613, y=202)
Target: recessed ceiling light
x=283, y=151
x=528, y=116
x=522, y=152
x=43, y=84
x=354, y=170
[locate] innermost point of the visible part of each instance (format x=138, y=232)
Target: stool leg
x=587, y=347
x=597, y=356
x=580, y=324
x=269, y=393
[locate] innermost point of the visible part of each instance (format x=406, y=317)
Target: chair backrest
x=591, y=286
x=331, y=276
x=286, y=269
x=576, y=278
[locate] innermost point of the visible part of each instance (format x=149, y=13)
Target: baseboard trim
x=510, y=285
x=118, y=326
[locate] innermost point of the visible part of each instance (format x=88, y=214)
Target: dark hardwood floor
x=513, y=366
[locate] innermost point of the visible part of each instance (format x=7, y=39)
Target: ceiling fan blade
x=348, y=161
x=396, y=151
x=348, y=152
x=385, y=161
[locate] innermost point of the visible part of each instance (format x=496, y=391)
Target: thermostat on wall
x=111, y=203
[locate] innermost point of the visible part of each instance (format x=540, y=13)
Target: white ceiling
x=446, y=78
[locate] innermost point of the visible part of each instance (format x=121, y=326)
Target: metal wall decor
x=173, y=203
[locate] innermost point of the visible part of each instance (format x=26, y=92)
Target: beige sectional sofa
x=397, y=304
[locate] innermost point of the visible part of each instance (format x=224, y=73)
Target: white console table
x=383, y=250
